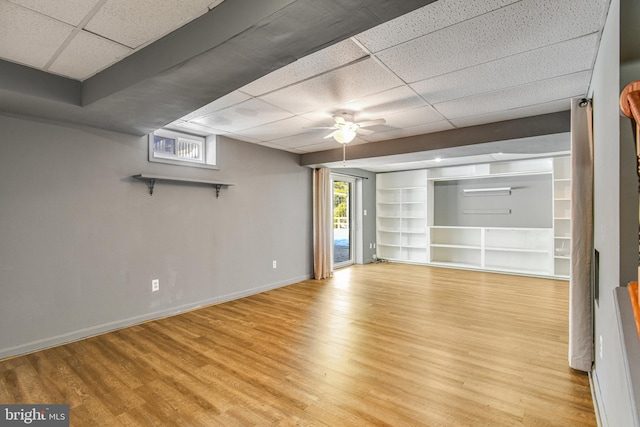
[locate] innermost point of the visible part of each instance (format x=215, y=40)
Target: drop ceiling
x=269, y=74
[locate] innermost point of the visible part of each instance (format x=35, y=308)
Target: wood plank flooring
x=378, y=344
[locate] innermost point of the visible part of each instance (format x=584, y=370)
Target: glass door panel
x=342, y=222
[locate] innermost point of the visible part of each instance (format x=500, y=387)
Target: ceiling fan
x=345, y=129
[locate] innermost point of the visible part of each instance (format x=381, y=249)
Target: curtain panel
x=322, y=224
x=580, y=285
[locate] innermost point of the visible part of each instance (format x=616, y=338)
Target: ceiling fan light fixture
x=344, y=135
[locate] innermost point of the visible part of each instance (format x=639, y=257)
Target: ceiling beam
x=231, y=45
x=527, y=127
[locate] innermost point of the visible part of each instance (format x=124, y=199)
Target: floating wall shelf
x=151, y=181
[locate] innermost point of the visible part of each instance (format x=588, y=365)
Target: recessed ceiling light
x=437, y=159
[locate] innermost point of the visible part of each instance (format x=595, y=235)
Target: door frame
x=355, y=218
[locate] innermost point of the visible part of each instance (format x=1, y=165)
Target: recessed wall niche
x=528, y=203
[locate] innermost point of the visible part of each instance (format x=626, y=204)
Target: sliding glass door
x=343, y=224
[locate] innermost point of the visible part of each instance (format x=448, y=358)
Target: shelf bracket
x=218, y=187
x=151, y=183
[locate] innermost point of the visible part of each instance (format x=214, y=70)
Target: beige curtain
x=580, y=292
x=322, y=224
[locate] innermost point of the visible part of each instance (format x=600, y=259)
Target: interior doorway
x=343, y=195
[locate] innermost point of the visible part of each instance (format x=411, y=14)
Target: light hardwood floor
x=379, y=344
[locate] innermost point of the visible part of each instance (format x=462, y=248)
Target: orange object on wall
x=633, y=293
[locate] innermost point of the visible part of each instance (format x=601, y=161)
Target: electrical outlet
x=275, y=264
x=370, y=245
x=364, y=212
x=155, y=285
x=374, y=246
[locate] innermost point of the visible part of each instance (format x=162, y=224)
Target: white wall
x=611, y=215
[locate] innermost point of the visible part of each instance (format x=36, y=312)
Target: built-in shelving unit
x=401, y=216
x=456, y=246
x=515, y=250
x=152, y=179
x=562, y=216
x=406, y=231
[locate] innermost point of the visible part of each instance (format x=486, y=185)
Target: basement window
x=176, y=148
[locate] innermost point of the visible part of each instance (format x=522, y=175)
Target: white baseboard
x=91, y=331
x=596, y=397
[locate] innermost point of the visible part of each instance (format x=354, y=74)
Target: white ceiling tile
x=324, y=117
x=355, y=81
x=547, y=62
x=516, y=113
x=134, y=23
x=526, y=25
x=194, y=128
x=96, y=53
x=380, y=105
x=242, y=116
x=322, y=146
x=430, y=18
x=276, y=130
x=241, y=137
x=331, y=144
x=319, y=62
x=280, y=147
x=69, y=11
x=414, y=117
x=312, y=137
x=28, y=37
x=383, y=104
x=409, y=131
x=226, y=101
x=541, y=92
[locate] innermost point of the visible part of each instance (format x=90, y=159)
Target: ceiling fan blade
x=371, y=123
x=330, y=135
x=361, y=131
x=320, y=127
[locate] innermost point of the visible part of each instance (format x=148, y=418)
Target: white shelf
x=152, y=179
x=442, y=245
x=401, y=216
x=456, y=265
x=508, y=249
x=561, y=216
x=533, y=251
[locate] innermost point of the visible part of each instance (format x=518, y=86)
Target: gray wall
x=613, y=209
x=530, y=202
x=80, y=241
